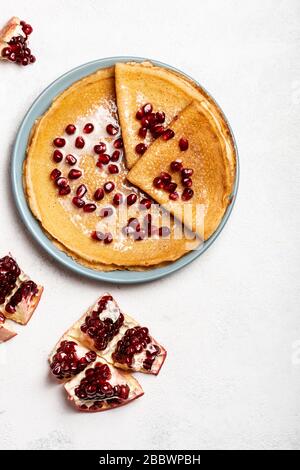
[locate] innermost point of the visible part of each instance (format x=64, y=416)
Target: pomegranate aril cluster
x=96, y=386
x=26, y=290
x=152, y=122
x=17, y=49
x=66, y=363
x=9, y=272
x=134, y=342
x=101, y=331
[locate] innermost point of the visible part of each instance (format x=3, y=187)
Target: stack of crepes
x=184, y=161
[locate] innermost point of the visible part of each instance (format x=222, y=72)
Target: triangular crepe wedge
x=166, y=90
x=212, y=177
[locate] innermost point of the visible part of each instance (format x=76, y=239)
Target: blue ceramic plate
x=40, y=105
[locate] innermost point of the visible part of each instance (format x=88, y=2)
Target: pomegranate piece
x=102, y=387
x=176, y=165
x=100, y=148
x=78, y=202
x=118, y=144
x=81, y=190
x=71, y=160
x=88, y=128
x=19, y=296
x=90, y=207
x=140, y=149
x=79, y=142
x=187, y=194
x=69, y=358
x=104, y=329
x=57, y=156
x=118, y=199
x=59, y=142
x=74, y=174
x=109, y=186
x=111, y=129
x=115, y=156
x=104, y=158
x=131, y=199
x=99, y=194
x=5, y=332
x=183, y=144
x=168, y=134
x=14, y=42
x=113, y=169
x=70, y=129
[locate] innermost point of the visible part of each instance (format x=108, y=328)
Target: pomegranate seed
x=64, y=191
x=111, y=129
x=61, y=182
x=113, y=169
x=170, y=187
x=152, y=119
x=99, y=165
x=109, y=187
x=118, y=144
x=176, y=165
x=99, y=194
x=90, y=207
x=55, y=174
x=106, y=212
x=79, y=142
x=78, y=202
x=131, y=199
x=187, y=182
x=118, y=199
x=25, y=61
x=27, y=29
x=70, y=159
x=32, y=59
x=183, y=144
x=74, y=174
x=166, y=177
x=157, y=130
x=160, y=117
x=139, y=114
x=158, y=183
x=59, y=142
x=140, y=235
x=104, y=158
x=70, y=129
x=108, y=238
x=12, y=57
x=145, y=122
x=6, y=51
x=173, y=196
x=147, y=108
x=186, y=172
x=164, y=231
x=142, y=132
x=140, y=149
x=187, y=194
x=81, y=191
x=96, y=235
x=100, y=148
x=57, y=156
x=145, y=203
x=168, y=134
x=88, y=128
x=115, y=156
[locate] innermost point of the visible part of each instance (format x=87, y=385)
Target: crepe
x=168, y=92
x=90, y=100
x=213, y=172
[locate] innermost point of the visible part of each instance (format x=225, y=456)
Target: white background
x=230, y=320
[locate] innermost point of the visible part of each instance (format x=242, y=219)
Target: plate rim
x=32, y=224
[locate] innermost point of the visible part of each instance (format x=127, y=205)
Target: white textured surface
x=230, y=321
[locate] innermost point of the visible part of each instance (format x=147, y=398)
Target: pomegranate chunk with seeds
x=104, y=326
x=19, y=296
x=14, y=45
x=5, y=332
